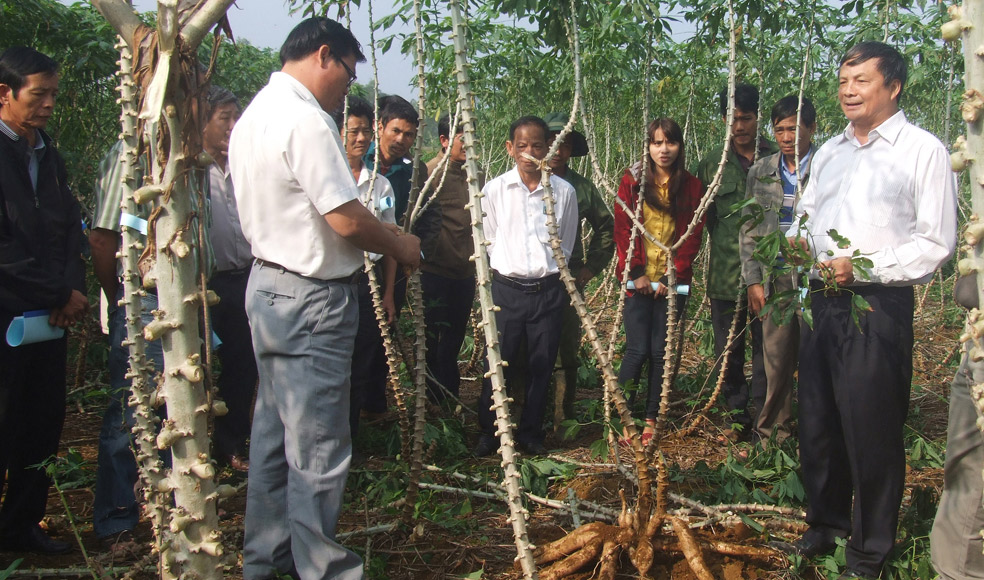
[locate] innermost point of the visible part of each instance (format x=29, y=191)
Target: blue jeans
x=115, y=508
x=300, y=448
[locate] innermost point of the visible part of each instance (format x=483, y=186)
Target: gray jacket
x=764, y=185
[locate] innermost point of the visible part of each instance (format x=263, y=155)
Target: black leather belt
x=233, y=272
x=527, y=285
x=350, y=279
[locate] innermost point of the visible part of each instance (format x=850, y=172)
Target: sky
x=266, y=23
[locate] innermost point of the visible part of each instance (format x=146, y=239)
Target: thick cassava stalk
x=375, y=292
x=415, y=294
x=392, y=356
x=142, y=386
x=195, y=549
x=967, y=22
x=517, y=513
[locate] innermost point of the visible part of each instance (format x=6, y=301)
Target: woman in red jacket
x=669, y=197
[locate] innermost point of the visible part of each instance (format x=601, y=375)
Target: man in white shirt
x=886, y=187
x=300, y=210
x=526, y=282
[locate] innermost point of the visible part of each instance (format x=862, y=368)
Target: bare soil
x=480, y=539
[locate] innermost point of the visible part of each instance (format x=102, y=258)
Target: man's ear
x=445, y=142
x=5, y=93
x=509, y=148
x=896, y=90
x=324, y=55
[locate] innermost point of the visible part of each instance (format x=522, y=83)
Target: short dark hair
x=786, y=107
x=746, y=99
x=217, y=97
x=357, y=107
x=19, y=62
x=529, y=120
x=891, y=64
x=315, y=32
x=444, y=127
x=396, y=107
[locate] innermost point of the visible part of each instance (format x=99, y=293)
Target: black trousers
x=238, y=379
x=32, y=412
x=735, y=388
x=645, y=341
x=447, y=304
x=854, y=384
x=535, y=316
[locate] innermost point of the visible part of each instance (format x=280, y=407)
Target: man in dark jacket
x=40, y=269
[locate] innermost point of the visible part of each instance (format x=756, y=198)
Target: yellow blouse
x=660, y=225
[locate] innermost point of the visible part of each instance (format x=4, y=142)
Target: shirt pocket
x=538, y=219
x=883, y=193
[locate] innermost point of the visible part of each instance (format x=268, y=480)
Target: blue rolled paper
x=32, y=327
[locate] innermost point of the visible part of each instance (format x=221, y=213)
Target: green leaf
x=842, y=242
x=4, y=574
x=759, y=528
x=476, y=575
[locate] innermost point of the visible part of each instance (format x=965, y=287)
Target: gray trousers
x=955, y=543
x=303, y=335
x=780, y=354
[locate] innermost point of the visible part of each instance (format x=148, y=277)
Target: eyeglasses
x=348, y=69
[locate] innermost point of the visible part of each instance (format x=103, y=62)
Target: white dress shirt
x=893, y=197
x=516, y=225
x=381, y=201
x=289, y=170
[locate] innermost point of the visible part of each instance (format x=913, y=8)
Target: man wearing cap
x=584, y=264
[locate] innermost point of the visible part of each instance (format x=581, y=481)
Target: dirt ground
x=479, y=538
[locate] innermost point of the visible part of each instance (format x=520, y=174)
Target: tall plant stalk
x=192, y=544
x=512, y=485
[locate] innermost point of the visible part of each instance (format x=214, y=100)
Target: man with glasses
x=300, y=210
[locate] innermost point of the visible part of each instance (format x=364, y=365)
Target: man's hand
x=798, y=243
x=71, y=312
x=389, y=307
x=756, y=298
x=409, y=254
x=839, y=270
x=583, y=277
x=643, y=285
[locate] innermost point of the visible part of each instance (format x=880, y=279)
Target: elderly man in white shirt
x=526, y=282
x=886, y=186
x=300, y=210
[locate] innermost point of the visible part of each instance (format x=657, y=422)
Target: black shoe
x=805, y=548
x=532, y=447
x=853, y=573
x=34, y=540
x=487, y=445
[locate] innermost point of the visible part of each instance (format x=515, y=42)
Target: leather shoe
x=805, y=548
x=487, y=445
x=34, y=540
x=852, y=573
x=532, y=447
